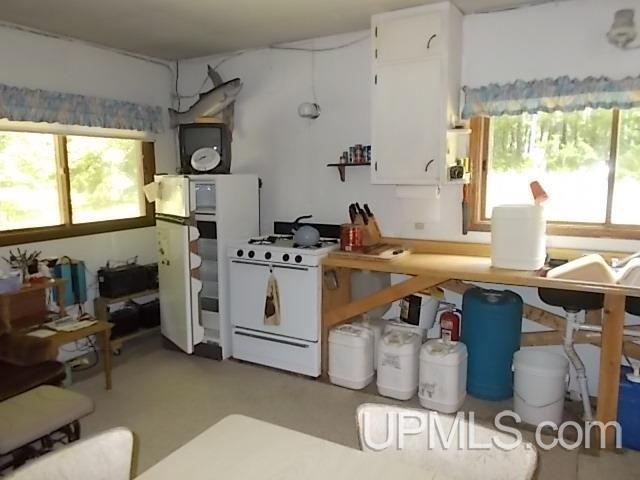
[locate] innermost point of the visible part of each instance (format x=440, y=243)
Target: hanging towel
x=272, y=302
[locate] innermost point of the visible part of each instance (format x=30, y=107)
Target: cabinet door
x=408, y=122
x=408, y=37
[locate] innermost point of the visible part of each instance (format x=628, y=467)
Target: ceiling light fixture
x=623, y=30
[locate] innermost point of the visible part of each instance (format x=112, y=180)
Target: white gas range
x=294, y=343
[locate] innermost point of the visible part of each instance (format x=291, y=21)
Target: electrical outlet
x=418, y=226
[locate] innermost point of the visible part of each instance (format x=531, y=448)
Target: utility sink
x=630, y=274
x=571, y=301
x=590, y=268
x=594, y=268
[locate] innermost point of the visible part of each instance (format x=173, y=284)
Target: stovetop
x=281, y=249
x=286, y=241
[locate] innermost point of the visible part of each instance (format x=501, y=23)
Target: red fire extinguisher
x=450, y=325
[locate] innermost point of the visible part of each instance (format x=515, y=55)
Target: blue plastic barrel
x=628, y=409
x=491, y=326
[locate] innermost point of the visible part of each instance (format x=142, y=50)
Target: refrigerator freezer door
x=173, y=196
x=179, y=313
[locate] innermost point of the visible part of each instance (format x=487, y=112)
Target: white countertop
x=243, y=448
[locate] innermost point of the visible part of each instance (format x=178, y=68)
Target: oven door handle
x=304, y=269
x=259, y=264
x=254, y=264
x=269, y=339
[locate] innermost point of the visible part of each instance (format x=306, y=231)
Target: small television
x=205, y=148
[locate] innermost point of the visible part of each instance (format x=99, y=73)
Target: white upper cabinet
x=415, y=92
x=401, y=38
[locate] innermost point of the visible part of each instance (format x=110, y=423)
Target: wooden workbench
x=436, y=263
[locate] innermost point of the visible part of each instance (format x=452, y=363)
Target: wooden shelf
x=35, y=286
x=28, y=305
x=116, y=343
x=343, y=166
x=124, y=298
x=459, y=131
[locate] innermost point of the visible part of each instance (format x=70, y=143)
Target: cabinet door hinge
x=375, y=79
x=375, y=166
x=375, y=32
x=375, y=53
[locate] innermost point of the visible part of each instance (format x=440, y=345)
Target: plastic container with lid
x=628, y=408
x=491, y=326
x=518, y=237
x=398, y=364
x=443, y=375
x=351, y=356
x=376, y=325
x=539, y=385
x=398, y=325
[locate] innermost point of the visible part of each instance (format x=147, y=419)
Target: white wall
x=289, y=153
x=35, y=61
x=550, y=40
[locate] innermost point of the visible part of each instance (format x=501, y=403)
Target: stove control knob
x=267, y=255
x=251, y=254
x=298, y=258
x=285, y=257
x=240, y=253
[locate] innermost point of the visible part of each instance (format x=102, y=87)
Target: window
x=588, y=161
x=54, y=186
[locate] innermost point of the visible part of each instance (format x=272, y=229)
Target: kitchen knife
x=352, y=212
x=365, y=217
x=377, y=233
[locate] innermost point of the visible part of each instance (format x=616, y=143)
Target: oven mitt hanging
x=272, y=302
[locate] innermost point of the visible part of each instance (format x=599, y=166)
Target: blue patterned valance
x=30, y=105
x=551, y=94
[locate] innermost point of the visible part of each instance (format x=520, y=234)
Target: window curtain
x=31, y=105
x=551, y=94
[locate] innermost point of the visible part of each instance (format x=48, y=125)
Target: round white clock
x=205, y=159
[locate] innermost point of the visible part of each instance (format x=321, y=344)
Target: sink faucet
x=616, y=263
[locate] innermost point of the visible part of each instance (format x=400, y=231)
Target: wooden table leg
x=105, y=348
x=5, y=315
x=610, y=355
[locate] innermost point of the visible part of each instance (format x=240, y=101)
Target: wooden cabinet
x=415, y=92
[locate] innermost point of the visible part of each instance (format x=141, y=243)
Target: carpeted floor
x=167, y=398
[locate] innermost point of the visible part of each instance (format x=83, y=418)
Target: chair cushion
x=633, y=305
x=571, y=301
x=38, y=412
x=15, y=379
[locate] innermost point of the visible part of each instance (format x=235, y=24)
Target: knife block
x=371, y=234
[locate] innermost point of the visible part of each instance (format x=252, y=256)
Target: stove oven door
x=299, y=289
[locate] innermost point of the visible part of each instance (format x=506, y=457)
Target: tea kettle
x=304, y=235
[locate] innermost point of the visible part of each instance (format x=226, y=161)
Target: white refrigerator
x=197, y=216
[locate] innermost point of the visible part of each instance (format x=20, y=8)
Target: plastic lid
x=400, y=338
x=541, y=361
x=517, y=211
x=443, y=348
x=353, y=330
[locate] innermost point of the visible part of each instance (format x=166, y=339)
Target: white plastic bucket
x=351, y=356
x=539, y=385
x=518, y=237
x=376, y=325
